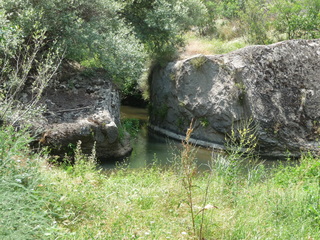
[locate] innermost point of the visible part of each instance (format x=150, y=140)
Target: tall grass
x=80, y=202
x=23, y=201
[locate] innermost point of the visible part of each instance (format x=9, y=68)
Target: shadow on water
x=149, y=147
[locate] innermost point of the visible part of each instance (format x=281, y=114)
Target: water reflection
x=149, y=147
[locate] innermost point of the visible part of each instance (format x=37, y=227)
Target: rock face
x=278, y=86
x=84, y=107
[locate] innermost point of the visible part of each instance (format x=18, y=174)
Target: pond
x=149, y=146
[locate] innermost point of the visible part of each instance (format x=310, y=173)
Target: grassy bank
x=43, y=201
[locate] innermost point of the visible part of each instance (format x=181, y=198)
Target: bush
x=255, y=21
x=159, y=24
x=297, y=19
x=89, y=32
x=25, y=67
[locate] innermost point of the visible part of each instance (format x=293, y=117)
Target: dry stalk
x=189, y=170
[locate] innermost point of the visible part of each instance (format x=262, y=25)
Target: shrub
x=159, y=24
x=255, y=21
x=297, y=19
x=89, y=32
x=25, y=66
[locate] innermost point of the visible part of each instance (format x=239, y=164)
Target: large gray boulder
x=83, y=107
x=278, y=86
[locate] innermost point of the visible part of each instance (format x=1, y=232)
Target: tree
x=91, y=32
x=297, y=18
x=115, y=35
x=159, y=24
x=21, y=64
x=255, y=21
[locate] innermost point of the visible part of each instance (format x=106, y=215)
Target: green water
x=149, y=147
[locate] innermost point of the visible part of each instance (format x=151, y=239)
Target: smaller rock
x=89, y=112
x=111, y=131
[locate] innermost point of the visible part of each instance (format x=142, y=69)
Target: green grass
x=210, y=46
x=81, y=202
x=24, y=212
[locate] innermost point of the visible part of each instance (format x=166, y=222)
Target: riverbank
x=40, y=200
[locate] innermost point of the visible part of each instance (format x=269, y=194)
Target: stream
x=149, y=147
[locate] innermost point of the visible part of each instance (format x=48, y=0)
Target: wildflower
x=209, y=206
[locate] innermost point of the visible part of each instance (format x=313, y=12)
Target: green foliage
x=204, y=122
x=89, y=32
x=188, y=169
x=255, y=21
x=208, y=26
x=262, y=21
x=10, y=36
x=241, y=160
x=83, y=163
x=11, y=143
x=242, y=141
x=111, y=34
x=297, y=19
x=81, y=202
x=307, y=169
x=186, y=166
x=159, y=112
x=23, y=66
x=162, y=111
x=131, y=126
x=159, y=23
x=230, y=8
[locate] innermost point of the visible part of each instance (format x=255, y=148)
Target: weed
x=240, y=159
x=163, y=111
x=204, y=122
x=198, y=62
x=15, y=78
x=172, y=76
x=129, y=125
x=180, y=123
x=81, y=202
x=188, y=170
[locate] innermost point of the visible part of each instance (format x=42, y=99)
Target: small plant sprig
x=189, y=170
x=241, y=160
x=198, y=62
